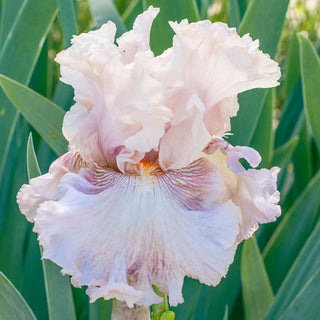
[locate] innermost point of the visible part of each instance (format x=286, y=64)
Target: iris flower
x=150, y=191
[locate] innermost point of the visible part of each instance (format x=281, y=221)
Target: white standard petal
x=127, y=113
x=253, y=191
x=214, y=62
x=120, y=234
x=119, y=106
x=138, y=38
x=185, y=138
x=82, y=62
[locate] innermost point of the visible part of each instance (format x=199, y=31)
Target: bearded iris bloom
x=150, y=192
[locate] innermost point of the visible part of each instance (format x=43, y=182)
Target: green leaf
x=263, y=137
x=306, y=305
x=39, y=81
x=283, y=154
x=122, y=5
x=9, y=11
x=100, y=310
x=59, y=294
x=302, y=160
x=226, y=313
x=81, y=304
x=21, y=259
x=234, y=17
x=256, y=289
x=305, y=266
x=26, y=37
x=310, y=74
x=264, y=20
x=203, y=6
x=41, y=113
x=6, y=131
x=161, y=33
x=12, y=304
x=292, y=117
x=33, y=276
x=14, y=227
x=68, y=19
x=32, y=279
x=105, y=10
x=212, y=300
x=191, y=294
x=292, y=73
x=18, y=56
x=63, y=95
x=58, y=289
x=286, y=181
x=135, y=8
x=32, y=163
x=291, y=234
x=243, y=4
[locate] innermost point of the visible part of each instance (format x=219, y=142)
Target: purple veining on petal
x=193, y=185
x=132, y=230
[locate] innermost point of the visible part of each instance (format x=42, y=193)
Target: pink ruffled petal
x=234, y=154
x=237, y=153
x=218, y=63
x=45, y=187
x=253, y=191
x=258, y=199
x=119, y=105
x=138, y=38
x=184, y=141
x=213, y=63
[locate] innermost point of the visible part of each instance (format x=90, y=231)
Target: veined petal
x=120, y=234
x=253, y=191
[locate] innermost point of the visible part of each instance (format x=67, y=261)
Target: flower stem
x=120, y=311
x=161, y=310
